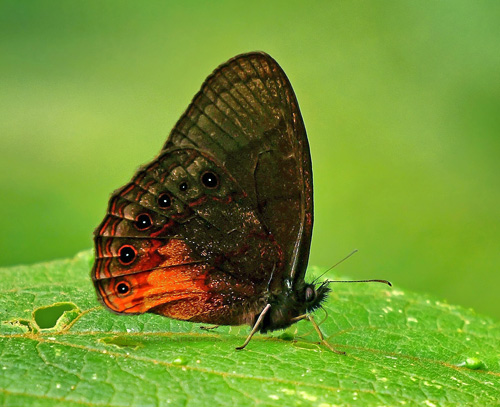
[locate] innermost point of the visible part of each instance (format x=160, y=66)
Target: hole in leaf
x=23, y=324
x=56, y=315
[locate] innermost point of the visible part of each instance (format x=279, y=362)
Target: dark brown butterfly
x=217, y=228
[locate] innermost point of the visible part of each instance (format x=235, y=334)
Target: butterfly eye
x=123, y=288
x=210, y=180
x=183, y=186
x=126, y=255
x=143, y=221
x=164, y=201
x=310, y=294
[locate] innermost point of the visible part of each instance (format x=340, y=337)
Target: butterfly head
x=314, y=295
x=289, y=306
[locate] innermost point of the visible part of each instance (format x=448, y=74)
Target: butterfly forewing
x=247, y=112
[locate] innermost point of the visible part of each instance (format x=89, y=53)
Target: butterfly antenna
x=335, y=265
x=359, y=281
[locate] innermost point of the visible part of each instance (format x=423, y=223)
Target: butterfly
x=217, y=228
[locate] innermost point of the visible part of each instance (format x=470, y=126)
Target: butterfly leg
x=321, y=337
x=256, y=326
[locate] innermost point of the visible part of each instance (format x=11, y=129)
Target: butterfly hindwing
x=197, y=251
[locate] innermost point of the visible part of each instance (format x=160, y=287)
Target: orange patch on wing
x=173, y=280
x=175, y=252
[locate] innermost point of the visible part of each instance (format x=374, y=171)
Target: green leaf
x=59, y=347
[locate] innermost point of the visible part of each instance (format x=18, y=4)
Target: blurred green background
x=401, y=100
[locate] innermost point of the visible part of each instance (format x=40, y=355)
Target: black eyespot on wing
x=164, y=201
x=126, y=255
x=143, y=221
x=183, y=186
x=210, y=179
x=123, y=288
